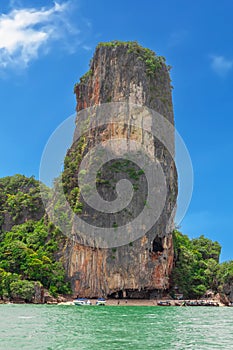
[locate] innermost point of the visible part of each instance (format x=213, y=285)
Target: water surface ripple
x=32, y=327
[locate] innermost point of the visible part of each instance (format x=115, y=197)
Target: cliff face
x=122, y=72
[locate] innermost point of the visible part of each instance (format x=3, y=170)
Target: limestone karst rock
x=122, y=72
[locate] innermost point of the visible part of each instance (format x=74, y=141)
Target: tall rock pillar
x=123, y=72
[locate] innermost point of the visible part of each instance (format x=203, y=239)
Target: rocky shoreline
x=130, y=302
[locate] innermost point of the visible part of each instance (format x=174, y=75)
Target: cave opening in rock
x=157, y=245
x=120, y=294
x=117, y=295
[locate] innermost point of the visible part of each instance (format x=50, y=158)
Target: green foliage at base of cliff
x=29, y=245
x=28, y=254
x=225, y=276
x=197, y=267
x=13, y=286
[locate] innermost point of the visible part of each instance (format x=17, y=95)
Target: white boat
x=82, y=302
x=101, y=302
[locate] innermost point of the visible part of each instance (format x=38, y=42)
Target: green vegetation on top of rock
x=152, y=61
x=20, y=199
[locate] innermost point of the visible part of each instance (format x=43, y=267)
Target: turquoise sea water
x=54, y=327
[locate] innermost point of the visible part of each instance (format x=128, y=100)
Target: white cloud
x=24, y=32
x=221, y=65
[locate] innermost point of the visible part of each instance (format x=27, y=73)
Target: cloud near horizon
x=25, y=32
x=220, y=65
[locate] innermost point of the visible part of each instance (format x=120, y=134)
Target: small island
x=37, y=262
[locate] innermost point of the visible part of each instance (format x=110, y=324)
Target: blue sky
x=45, y=47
